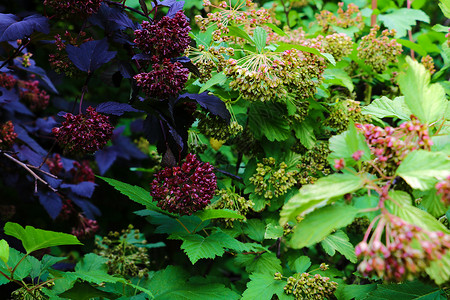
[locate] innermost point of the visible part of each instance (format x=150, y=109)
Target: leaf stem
x=181, y=223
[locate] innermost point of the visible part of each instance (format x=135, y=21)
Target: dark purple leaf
x=48, y=84
x=12, y=28
x=115, y=108
x=181, y=59
x=152, y=129
x=7, y=96
x=83, y=189
x=167, y=3
x=24, y=137
x=89, y=209
x=127, y=149
x=137, y=125
x=18, y=107
x=51, y=202
x=111, y=19
x=45, y=125
x=211, y=103
x=142, y=56
x=67, y=163
x=126, y=70
x=105, y=158
x=25, y=154
x=174, y=8
x=90, y=55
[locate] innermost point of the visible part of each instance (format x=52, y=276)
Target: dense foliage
x=265, y=149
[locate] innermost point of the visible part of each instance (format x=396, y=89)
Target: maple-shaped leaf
x=90, y=55
x=13, y=28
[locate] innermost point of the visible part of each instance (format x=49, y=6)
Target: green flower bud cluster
x=344, y=111
x=359, y=225
x=125, y=251
x=306, y=286
x=344, y=19
x=338, y=44
x=314, y=164
x=272, y=181
x=35, y=294
x=246, y=143
x=379, y=52
x=287, y=229
x=217, y=128
x=195, y=145
x=208, y=60
x=428, y=62
x=228, y=199
x=300, y=114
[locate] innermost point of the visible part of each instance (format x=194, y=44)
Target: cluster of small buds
x=301, y=111
x=82, y=172
x=74, y=8
x=165, y=80
x=428, y=63
x=313, y=164
x=293, y=36
x=306, y=286
x=7, y=135
x=344, y=19
x=215, y=127
x=59, y=61
x=186, y=189
x=209, y=60
x=379, y=52
x=231, y=15
x=55, y=164
x=300, y=3
x=246, y=143
x=26, y=62
x=67, y=210
x=338, y=44
x=443, y=190
x=339, y=164
x=228, y=199
x=409, y=249
x=272, y=181
x=126, y=252
x=195, y=145
x=391, y=145
x=168, y=38
x=359, y=225
x=36, y=98
x=448, y=37
x=86, y=227
x=7, y=81
x=85, y=133
x=342, y=112
x=287, y=229
x=30, y=292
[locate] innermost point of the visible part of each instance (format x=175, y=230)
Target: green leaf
x=402, y=207
x=413, y=46
x=263, y=287
x=273, y=231
x=266, y=119
x=275, y=29
x=219, y=78
x=255, y=229
x=422, y=169
x=285, y=46
x=445, y=7
x=85, y=291
x=339, y=77
x=440, y=28
x=346, y=144
x=93, y=268
x=324, y=191
x=238, y=32
x=405, y=291
x=439, y=269
x=259, y=263
x=4, y=251
x=22, y=270
x=260, y=38
x=34, y=239
x=426, y=101
x=197, y=247
x=208, y=214
x=385, y=107
x=320, y=223
x=433, y=204
x=339, y=242
x=135, y=193
x=304, y=131
x=301, y=264
x=403, y=19
x=357, y=292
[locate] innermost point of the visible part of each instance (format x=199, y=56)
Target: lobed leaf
x=385, y=107
x=90, y=55
x=12, y=28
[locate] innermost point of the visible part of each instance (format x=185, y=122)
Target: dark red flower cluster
x=55, y=164
x=76, y=8
x=82, y=172
x=167, y=38
x=165, y=80
x=7, y=135
x=186, y=189
x=408, y=250
x=7, y=81
x=86, y=227
x=85, y=133
x=443, y=189
x=36, y=98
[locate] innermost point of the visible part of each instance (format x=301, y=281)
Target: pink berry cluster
x=379, y=52
x=7, y=81
x=7, y=135
x=391, y=145
x=55, y=164
x=443, y=190
x=36, y=98
x=428, y=63
x=86, y=227
x=167, y=38
x=85, y=133
x=82, y=172
x=408, y=250
x=344, y=19
x=74, y=8
x=165, y=80
x=186, y=189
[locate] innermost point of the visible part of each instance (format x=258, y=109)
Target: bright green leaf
x=413, y=46
x=273, y=231
x=445, y=7
x=255, y=229
x=266, y=119
x=385, y=107
x=320, y=223
x=4, y=251
x=22, y=270
x=285, y=46
x=304, y=131
x=357, y=292
x=439, y=269
x=339, y=77
x=263, y=287
x=208, y=214
x=440, y=28
x=260, y=38
x=433, y=204
x=426, y=101
x=301, y=264
x=403, y=19
x=276, y=29
x=259, y=263
x=34, y=239
x=321, y=193
x=339, y=242
x=197, y=247
x=238, y=32
x=218, y=78
x=422, y=169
